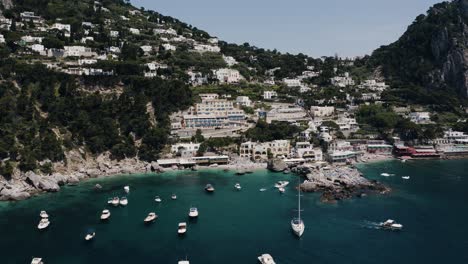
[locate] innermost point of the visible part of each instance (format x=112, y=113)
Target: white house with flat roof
x=168, y=47
x=185, y=149
x=420, y=117
x=260, y=151
x=268, y=95
x=2, y=39
x=243, y=101
x=307, y=151
x=342, y=81
x=292, y=82
x=206, y=48
x=322, y=111
x=226, y=75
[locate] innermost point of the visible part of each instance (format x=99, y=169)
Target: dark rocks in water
x=97, y=187
x=276, y=165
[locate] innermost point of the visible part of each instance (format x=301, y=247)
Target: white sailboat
x=127, y=189
x=297, y=224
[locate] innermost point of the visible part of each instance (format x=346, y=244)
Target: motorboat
x=391, y=224
x=43, y=224
x=109, y=201
x=183, y=262
x=281, y=190
x=238, y=186
x=123, y=201
x=90, y=235
x=182, y=228
x=263, y=189
x=385, y=174
x=209, y=188
x=174, y=197
x=193, y=212
x=105, y=214
x=405, y=177
x=44, y=214
x=127, y=189
x=115, y=201
x=158, y=199
x=37, y=261
x=266, y=259
x=297, y=224
x=281, y=184
x=151, y=217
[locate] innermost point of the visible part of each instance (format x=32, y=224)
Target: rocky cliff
x=432, y=53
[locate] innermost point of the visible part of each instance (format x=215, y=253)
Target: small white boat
x=209, y=188
x=115, y=201
x=37, y=261
x=109, y=201
x=90, y=236
x=151, y=217
x=174, y=197
x=266, y=259
x=263, y=189
x=43, y=224
x=182, y=228
x=193, y=212
x=281, y=190
x=281, y=184
x=238, y=186
x=183, y=262
x=123, y=201
x=105, y=214
x=385, y=174
x=405, y=177
x=158, y=199
x=391, y=224
x=44, y=214
x=127, y=189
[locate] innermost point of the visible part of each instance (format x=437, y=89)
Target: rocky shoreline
x=78, y=167
x=334, y=182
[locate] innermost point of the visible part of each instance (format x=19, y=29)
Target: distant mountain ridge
x=432, y=53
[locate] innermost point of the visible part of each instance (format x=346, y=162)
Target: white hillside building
x=226, y=75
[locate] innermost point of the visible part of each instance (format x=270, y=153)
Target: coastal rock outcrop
x=276, y=165
x=338, y=183
x=45, y=183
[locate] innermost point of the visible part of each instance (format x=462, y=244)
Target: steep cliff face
x=433, y=52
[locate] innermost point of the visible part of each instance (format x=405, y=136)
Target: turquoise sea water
x=237, y=226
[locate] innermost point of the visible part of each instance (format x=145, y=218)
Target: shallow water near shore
x=237, y=226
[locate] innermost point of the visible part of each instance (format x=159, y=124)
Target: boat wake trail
x=371, y=225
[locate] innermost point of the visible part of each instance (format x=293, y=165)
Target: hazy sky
x=313, y=27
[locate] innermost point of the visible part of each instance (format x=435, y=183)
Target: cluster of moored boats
x=297, y=224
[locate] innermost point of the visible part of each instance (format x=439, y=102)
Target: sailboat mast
x=299, y=201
